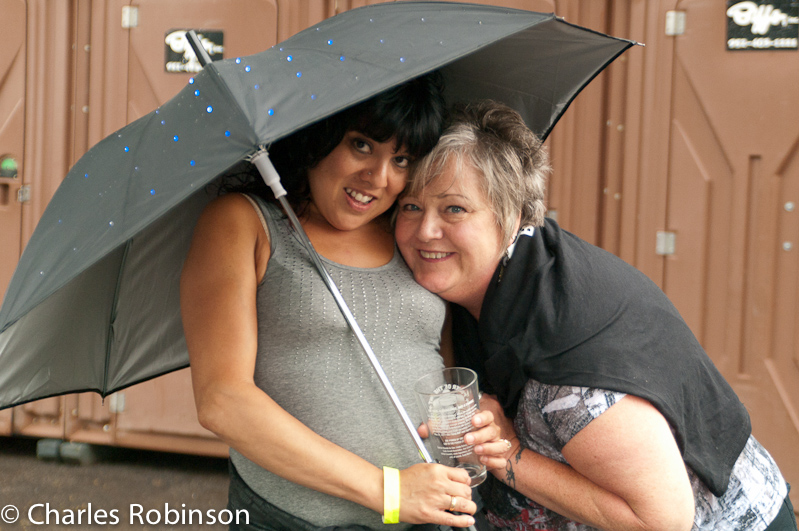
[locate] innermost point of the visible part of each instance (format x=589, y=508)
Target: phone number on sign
x=761, y=42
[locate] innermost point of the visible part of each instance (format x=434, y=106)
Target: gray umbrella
x=94, y=302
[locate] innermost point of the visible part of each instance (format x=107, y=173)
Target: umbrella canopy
x=94, y=302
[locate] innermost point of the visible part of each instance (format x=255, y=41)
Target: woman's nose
x=377, y=175
x=429, y=228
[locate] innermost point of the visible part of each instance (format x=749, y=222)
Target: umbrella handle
x=272, y=179
x=270, y=175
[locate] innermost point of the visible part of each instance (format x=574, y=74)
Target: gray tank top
x=310, y=363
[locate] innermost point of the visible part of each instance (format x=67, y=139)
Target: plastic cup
x=448, y=400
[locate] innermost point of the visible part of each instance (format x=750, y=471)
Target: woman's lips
x=359, y=197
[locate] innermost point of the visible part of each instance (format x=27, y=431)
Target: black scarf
x=564, y=312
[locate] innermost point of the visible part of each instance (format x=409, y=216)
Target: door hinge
x=130, y=17
x=675, y=22
x=24, y=193
x=665, y=242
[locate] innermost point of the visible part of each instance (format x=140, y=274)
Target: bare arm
x=227, y=258
x=626, y=473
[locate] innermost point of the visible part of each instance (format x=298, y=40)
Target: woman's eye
x=410, y=207
x=361, y=145
x=454, y=209
x=402, y=161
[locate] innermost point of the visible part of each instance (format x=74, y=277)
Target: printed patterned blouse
x=550, y=415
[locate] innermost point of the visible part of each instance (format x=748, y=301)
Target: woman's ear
x=516, y=227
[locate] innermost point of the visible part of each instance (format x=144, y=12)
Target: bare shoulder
x=233, y=218
x=230, y=228
x=230, y=209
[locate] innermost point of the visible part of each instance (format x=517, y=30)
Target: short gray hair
x=494, y=140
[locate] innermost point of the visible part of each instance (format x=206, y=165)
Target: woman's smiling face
x=449, y=236
x=358, y=181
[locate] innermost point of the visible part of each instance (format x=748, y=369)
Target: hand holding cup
x=449, y=400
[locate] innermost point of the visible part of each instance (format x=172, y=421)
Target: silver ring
x=453, y=504
x=508, y=444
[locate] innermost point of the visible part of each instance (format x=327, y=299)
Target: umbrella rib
x=627, y=45
x=111, y=320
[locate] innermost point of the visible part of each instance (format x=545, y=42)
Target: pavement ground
x=124, y=488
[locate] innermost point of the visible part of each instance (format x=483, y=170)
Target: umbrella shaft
x=199, y=50
x=267, y=171
x=342, y=304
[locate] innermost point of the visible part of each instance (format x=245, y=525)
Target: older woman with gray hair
x=619, y=418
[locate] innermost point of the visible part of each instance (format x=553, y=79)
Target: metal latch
x=24, y=193
x=675, y=22
x=116, y=403
x=130, y=17
x=665, y=242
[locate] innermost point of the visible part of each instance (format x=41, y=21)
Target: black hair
x=414, y=113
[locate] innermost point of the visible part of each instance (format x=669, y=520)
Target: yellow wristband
x=391, y=495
